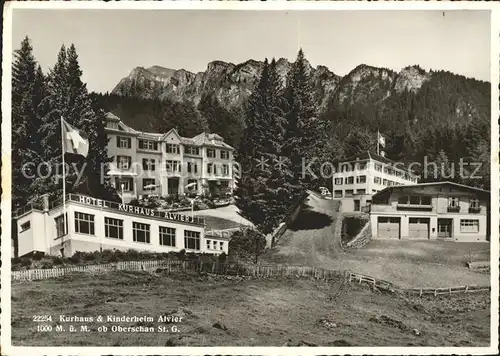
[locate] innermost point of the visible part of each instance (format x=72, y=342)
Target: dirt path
x=313, y=241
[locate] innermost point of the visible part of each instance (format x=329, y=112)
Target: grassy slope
x=256, y=312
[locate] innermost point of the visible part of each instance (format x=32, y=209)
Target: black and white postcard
x=250, y=178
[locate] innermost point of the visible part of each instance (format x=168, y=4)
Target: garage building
x=430, y=211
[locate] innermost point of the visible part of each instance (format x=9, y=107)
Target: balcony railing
x=474, y=209
x=454, y=209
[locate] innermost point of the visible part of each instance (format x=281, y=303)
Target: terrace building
x=359, y=177
x=95, y=225
x=164, y=164
x=430, y=211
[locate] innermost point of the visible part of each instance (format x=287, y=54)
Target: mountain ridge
x=233, y=83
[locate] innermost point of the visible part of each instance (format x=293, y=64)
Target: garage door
x=419, y=228
x=388, y=227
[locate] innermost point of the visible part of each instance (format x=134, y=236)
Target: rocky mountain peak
x=411, y=78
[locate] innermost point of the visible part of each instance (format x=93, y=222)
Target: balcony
x=475, y=209
x=454, y=209
x=381, y=208
x=147, y=150
x=405, y=206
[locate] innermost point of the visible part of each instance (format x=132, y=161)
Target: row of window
x=113, y=229
x=149, y=164
x=359, y=166
x=394, y=172
x=149, y=145
x=350, y=180
x=386, y=182
x=215, y=245
x=127, y=184
x=349, y=192
x=453, y=202
x=362, y=179
x=466, y=225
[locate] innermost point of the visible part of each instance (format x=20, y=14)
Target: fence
x=181, y=266
x=240, y=270
x=381, y=284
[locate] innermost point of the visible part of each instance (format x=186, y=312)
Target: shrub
x=120, y=256
x=25, y=262
x=15, y=260
x=90, y=256
x=47, y=265
x=243, y=244
x=135, y=202
x=37, y=255
x=57, y=261
x=76, y=258
x=222, y=257
x=131, y=255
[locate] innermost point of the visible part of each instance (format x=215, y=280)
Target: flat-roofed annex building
x=359, y=177
x=95, y=225
x=165, y=163
x=431, y=211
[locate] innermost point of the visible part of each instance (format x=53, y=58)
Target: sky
x=110, y=43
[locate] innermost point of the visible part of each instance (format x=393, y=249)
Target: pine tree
x=249, y=185
x=277, y=192
x=82, y=115
x=56, y=103
x=302, y=127
x=27, y=91
x=264, y=194
x=67, y=97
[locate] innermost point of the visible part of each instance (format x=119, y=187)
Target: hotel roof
x=402, y=187
x=202, y=139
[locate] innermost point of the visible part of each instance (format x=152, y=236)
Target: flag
x=75, y=141
x=381, y=139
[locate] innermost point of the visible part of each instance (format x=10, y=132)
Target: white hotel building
x=95, y=225
x=163, y=164
x=361, y=176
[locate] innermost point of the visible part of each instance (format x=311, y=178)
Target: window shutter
x=117, y=141
x=129, y=142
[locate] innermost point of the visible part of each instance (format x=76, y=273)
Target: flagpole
x=63, y=185
x=378, y=142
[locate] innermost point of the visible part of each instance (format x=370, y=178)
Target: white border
x=229, y=5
